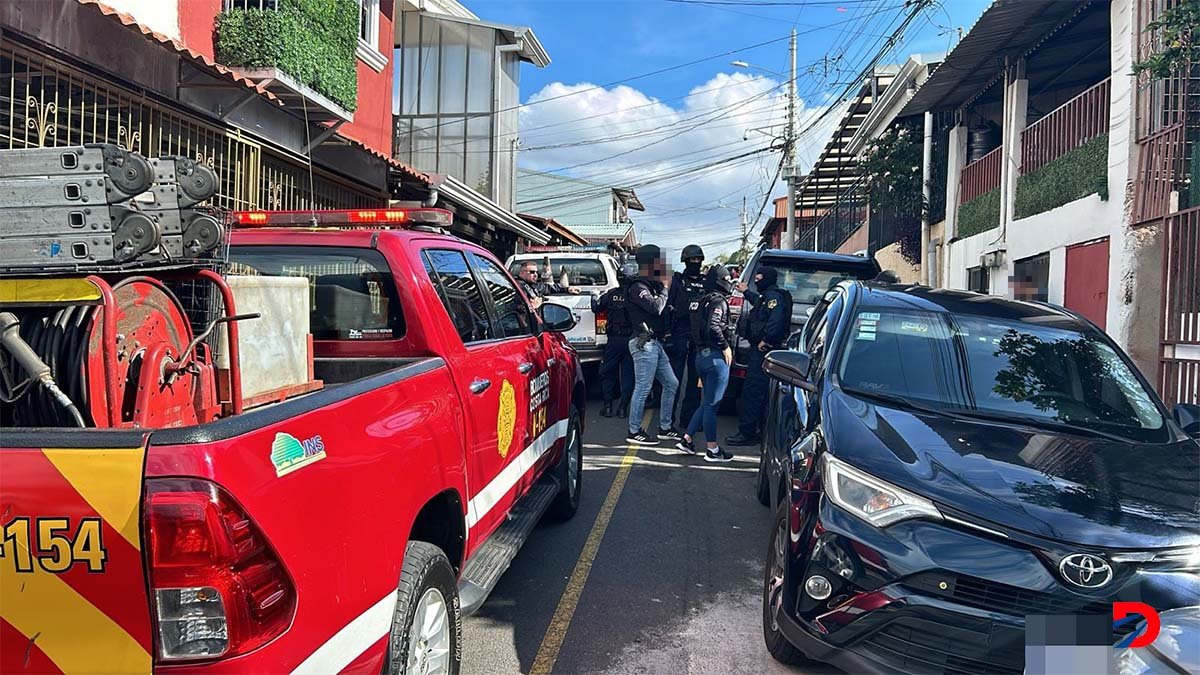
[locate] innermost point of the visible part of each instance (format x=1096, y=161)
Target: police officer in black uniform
x=616, y=364
x=683, y=299
x=767, y=328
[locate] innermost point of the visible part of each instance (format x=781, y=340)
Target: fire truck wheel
x=569, y=472
x=426, y=632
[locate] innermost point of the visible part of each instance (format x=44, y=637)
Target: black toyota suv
x=807, y=275
x=946, y=464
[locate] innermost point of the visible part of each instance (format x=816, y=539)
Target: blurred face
x=529, y=272
x=653, y=268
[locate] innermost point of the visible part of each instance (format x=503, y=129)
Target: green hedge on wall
x=314, y=41
x=980, y=214
x=1075, y=175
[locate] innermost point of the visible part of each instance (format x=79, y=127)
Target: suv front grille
x=956, y=645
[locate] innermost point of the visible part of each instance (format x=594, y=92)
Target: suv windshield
x=1001, y=368
x=807, y=284
x=580, y=271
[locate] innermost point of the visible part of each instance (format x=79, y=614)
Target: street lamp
x=789, y=139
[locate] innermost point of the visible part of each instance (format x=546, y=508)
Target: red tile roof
x=199, y=60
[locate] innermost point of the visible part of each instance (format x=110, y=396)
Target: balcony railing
x=1065, y=128
x=980, y=177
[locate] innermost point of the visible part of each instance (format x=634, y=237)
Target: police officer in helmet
x=767, y=328
x=687, y=289
x=616, y=364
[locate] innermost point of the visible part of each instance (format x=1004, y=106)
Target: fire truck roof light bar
x=344, y=218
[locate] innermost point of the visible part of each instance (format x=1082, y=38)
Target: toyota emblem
x=1085, y=570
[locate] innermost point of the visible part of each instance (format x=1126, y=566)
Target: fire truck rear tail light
x=191, y=623
x=220, y=589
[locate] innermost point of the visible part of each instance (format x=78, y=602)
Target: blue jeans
x=651, y=362
x=714, y=373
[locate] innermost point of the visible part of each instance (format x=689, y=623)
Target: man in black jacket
x=767, y=328
x=646, y=302
x=527, y=277
x=616, y=364
x=683, y=299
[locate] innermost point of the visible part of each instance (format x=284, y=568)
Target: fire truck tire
x=569, y=472
x=426, y=631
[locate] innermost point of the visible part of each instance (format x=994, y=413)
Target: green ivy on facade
x=313, y=41
x=1076, y=174
x=980, y=214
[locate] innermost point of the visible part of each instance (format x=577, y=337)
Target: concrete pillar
x=955, y=161
x=1016, y=107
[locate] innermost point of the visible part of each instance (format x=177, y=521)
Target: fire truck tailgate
x=72, y=580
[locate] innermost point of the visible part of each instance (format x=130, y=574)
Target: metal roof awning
x=836, y=169
x=531, y=48
x=1006, y=28
x=630, y=198
x=556, y=227
x=454, y=190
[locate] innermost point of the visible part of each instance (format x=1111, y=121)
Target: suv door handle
x=480, y=386
x=525, y=367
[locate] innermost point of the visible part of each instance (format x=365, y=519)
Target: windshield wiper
x=896, y=399
x=1038, y=422
x=973, y=415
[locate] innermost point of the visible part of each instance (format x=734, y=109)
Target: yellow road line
x=556, y=632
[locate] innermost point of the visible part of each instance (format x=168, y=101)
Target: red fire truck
x=346, y=529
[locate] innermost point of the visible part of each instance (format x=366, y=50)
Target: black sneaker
x=686, y=447
x=641, y=437
x=718, y=455
x=739, y=439
x=670, y=434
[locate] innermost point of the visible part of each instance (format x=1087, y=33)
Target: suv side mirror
x=1188, y=417
x=558, y=319
x=789, y=367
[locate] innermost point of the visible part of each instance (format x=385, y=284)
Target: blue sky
x=597, y=43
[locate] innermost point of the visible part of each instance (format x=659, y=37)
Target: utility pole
x=745, y=224
x=789, y=161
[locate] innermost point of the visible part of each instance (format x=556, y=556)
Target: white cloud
x=646, y=139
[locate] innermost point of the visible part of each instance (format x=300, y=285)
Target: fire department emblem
x=506, y=420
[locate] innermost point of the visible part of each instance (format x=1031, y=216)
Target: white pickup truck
x=593, y=273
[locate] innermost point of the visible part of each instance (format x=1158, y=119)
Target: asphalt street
x=660, y=574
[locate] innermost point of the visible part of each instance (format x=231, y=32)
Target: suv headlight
x=871, y=499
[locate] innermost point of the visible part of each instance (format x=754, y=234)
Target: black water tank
x=982, y=138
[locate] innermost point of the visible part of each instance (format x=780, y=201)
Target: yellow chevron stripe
x=75, y=635
x=109, y=480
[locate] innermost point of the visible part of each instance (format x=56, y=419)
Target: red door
x=1087, y=280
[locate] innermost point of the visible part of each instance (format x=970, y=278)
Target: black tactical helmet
x=691, y=251
x=647, y=253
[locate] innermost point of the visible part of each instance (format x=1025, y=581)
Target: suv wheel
x=426, y=632
x=569, y=472
x=773, y=585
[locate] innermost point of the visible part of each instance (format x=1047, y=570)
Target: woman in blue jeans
x=712, y=337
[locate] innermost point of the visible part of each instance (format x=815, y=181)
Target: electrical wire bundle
x=60, y=339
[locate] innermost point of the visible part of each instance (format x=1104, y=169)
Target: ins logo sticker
x=506, y=420
x=289, y=454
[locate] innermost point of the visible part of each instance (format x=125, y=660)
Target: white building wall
x=1082, y=220
x=160, y=16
